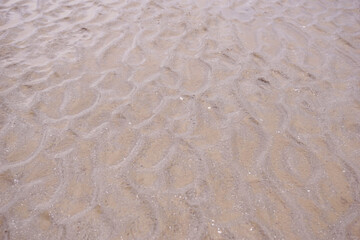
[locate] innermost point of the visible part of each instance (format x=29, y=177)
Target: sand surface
x=179, y=119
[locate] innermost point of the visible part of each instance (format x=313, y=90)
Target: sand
x=179, y=119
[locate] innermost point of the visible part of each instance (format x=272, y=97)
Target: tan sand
x=179, y=119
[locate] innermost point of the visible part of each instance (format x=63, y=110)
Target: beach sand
x=179, y=119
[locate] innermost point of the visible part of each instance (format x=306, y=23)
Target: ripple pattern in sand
x=179, y=119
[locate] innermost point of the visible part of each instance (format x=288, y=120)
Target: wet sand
x=179, y=119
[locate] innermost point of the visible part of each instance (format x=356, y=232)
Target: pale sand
x=179, y=119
